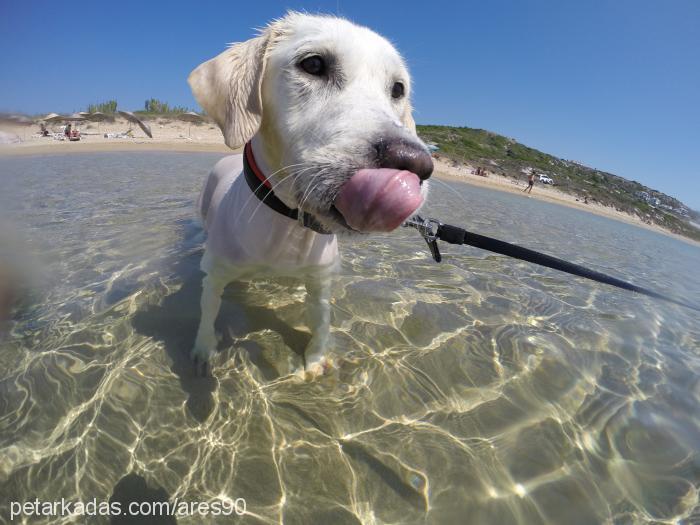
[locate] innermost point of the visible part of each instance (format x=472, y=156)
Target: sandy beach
x=173, y=135
x=168, y=135
x=542, y=192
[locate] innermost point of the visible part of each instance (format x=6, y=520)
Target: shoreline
x=118, y=145
x=548, y=194
x=462, y=174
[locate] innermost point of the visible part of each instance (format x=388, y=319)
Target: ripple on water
x=479, y=389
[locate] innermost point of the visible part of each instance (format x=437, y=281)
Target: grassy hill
x=505, y=156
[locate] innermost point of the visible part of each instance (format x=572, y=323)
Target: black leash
x=433, y=230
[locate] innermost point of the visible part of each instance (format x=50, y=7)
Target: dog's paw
x=317, y=366
x=201, y=367
x=316, y=360
x=201, y=354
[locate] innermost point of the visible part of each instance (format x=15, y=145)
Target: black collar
x=260, y=186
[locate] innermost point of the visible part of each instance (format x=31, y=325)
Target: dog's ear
x=408, y=119
x=228, y=88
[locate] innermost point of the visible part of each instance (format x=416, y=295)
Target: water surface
x=479, y=390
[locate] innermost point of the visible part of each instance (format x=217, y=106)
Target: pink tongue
x=379, y=200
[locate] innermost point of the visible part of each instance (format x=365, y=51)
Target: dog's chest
x=244, y=230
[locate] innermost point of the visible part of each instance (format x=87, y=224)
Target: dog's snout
x=404, y=155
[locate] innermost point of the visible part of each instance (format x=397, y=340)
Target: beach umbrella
x=190, y=117
x=98, y=117
x=128, y=115
x=75, y=116
x=52, y=117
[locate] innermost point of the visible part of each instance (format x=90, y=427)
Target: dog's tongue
x=379, y=200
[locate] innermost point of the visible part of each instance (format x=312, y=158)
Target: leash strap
x=261, y=188
x=433, y=230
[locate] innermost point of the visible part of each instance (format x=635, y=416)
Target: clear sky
x=614, y=84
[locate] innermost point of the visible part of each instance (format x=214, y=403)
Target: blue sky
x=614, y=84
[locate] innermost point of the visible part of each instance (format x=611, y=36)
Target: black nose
x=404, y=155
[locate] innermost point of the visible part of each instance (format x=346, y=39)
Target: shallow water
x=479, y=390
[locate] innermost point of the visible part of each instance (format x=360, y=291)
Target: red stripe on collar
x=248, y=152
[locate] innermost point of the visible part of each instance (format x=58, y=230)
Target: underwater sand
x=480, y=390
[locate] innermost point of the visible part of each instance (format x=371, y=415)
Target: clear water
x=480, y=390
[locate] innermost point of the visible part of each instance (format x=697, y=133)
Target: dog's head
x=330, y=103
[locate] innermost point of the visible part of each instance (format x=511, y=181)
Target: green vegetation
x=153, y=108
x=109, y=107
x=505, y=156
x=157, y=108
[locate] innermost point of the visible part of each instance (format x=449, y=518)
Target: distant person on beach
x=44, y=132
x=530, y=182
x=67, y=130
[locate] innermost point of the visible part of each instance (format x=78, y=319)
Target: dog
x=322, y=108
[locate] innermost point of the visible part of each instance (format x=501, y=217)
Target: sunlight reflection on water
x=481, y=389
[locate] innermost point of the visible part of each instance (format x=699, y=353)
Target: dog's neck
x=271, y=170
x=270, y=189
x=259, y=153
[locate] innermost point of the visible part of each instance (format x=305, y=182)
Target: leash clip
x=428, y=228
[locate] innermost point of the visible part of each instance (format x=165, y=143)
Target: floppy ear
x=228, y=88
x=408, y=119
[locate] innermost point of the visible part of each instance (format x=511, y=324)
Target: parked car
x=546, y=180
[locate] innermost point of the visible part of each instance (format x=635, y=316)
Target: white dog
x=322, y=107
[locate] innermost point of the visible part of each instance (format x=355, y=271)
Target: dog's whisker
x=309, y=189
x=277, y=184
x=270, y=176
x=293, y=175
x=245, y=205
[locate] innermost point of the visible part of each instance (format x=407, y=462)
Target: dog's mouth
x=378, y=199
x=357, y=200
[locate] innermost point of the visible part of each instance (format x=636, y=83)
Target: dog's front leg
x=318, y=309
x=205, y=344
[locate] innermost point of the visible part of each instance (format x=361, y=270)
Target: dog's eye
x=397, y=90
x=313, y=65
